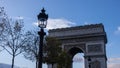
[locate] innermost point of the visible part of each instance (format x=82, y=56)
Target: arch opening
x=74, y=51
x=78, y=61
x=77, y=55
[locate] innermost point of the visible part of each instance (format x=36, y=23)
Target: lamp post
x=42, y=22
x=89, y=59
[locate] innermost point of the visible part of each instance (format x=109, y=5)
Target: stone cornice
x=93, y=30
x=81, y=36
x=78, y=27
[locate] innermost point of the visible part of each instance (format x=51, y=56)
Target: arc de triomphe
x=88, y=39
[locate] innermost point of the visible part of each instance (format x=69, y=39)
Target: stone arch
x=74, y=50
x=79, y=47
x=88, y=39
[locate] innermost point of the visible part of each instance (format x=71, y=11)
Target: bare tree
x=31, y=47
x=14, y=40
x=3, y=22
x=12, y=37
x=1, y=49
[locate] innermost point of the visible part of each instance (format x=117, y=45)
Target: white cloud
x=58, y=23
x=17, y=18
x=78, y=59
x=86, y=23
x=118, y=30
x=111, y=60
x=114, y=63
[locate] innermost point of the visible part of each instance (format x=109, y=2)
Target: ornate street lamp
x=42, y=22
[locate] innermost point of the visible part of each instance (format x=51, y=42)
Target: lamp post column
x=41, y=34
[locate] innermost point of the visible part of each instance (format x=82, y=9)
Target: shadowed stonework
x=89, y=39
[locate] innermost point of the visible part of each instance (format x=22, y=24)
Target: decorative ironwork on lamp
x=42, y=19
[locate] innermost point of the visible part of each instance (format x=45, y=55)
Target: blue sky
x=70, y=13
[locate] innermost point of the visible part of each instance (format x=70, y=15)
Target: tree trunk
x=13, y=58
x=52, y=65
x=36, y=64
